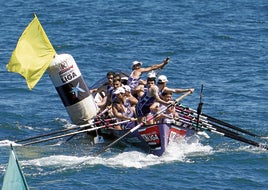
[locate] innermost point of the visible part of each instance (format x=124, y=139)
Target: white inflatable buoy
x=72, y=89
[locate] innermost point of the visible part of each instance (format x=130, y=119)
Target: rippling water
x=222, y=45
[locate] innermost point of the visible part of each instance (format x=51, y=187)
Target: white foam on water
x=55, y=160
x=130, y=158
x=62, y=120
x=242, y=148
x=27, y=127
x=7, y=143
x=266, y=138
x=182, y=150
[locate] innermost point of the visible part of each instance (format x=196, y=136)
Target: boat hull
x=153, y=139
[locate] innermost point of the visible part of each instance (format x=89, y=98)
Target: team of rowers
x=135, y=99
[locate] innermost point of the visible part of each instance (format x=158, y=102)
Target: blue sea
x=220, y=44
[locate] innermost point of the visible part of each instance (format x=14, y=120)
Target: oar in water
x=75, y=133
x=140, y=125
x=212, y=119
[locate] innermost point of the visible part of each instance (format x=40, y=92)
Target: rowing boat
x=153, y=138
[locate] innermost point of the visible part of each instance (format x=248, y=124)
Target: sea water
x=220, y=44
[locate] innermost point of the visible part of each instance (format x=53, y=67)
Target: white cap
x=151, y=74
x=119, y=90
x=127, y=88
x=124, y=78
x=136, y=62
x=162, y=78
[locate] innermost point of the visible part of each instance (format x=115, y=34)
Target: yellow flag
x=33, y=53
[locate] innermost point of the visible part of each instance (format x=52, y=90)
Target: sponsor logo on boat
x=150, y=135
x=176, y=133
x=153, y=138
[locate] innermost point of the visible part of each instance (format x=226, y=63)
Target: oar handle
x=181, y=97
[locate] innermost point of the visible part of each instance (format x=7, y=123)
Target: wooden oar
x=238, y=138
x=75, y=127
x=193, y=119
x=204, y=124
x=47, y=134
x=210, y=118
x=230, y=126
x=141, y=124
x=227, y=133
x=213, y=127
x=74, y=133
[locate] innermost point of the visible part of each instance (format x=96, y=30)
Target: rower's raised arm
x=155, y=66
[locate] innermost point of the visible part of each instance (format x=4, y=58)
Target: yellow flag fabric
x=33, y=54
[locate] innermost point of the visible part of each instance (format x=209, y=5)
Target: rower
x=130, y=96
x=162, y=85
x=142, y=87
x=149, y=97
x=123, y=110
x=103, y=91
x=135, y=77
x=169, y=114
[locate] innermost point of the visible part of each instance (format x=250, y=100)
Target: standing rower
x=135, y=77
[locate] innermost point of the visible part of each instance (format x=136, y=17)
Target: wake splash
x=130, y=158
x=8, y=143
